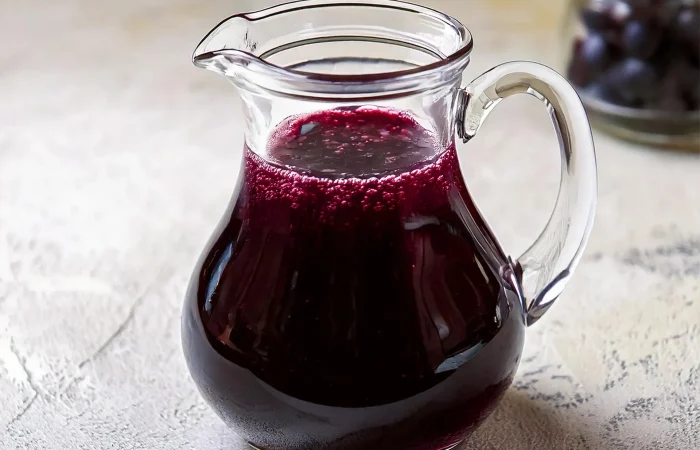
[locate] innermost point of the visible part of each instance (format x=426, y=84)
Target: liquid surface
x=337, y=309
x=351, y=143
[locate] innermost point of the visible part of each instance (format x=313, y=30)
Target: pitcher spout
x=227, y=48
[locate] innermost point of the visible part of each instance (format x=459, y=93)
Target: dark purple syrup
x=352, y=296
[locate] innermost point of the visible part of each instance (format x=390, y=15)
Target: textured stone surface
x=117, y=159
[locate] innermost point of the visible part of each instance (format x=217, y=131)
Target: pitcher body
x=353, y=296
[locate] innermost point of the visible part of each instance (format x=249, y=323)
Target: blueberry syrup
x=352, y=296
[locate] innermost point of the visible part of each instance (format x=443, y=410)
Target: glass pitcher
x=352, y=296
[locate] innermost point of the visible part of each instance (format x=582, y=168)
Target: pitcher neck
x=338, y=51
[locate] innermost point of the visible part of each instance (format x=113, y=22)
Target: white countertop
x=117, y=158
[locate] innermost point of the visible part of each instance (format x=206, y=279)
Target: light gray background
x=117, y=158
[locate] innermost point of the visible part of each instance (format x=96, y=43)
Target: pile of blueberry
x=640, y=54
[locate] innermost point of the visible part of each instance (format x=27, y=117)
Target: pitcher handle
x=549, y=262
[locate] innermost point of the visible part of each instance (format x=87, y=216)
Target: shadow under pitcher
x=352, y=296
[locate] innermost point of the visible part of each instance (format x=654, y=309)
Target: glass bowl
x=636, y=66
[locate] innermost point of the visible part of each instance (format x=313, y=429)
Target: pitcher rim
x=375, y=78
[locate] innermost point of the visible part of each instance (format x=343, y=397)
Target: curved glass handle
x=547, y=265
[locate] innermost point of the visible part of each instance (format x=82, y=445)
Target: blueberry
x=578, y=73
x=620, y=12
x=688, y=23
x=595, y=53
x=596, y=20
x=686, y=30
x=641, y=39
x=591, y=57
x=634, y=81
